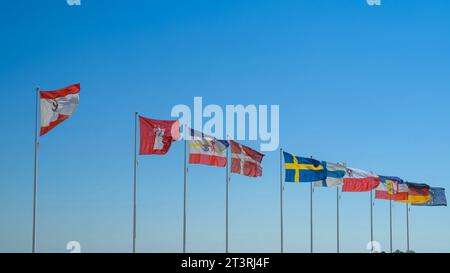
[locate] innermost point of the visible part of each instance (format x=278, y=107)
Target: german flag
x=418, y=193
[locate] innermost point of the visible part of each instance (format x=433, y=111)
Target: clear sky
x=364, y=85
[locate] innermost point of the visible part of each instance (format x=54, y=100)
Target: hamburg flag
x=356, y=180
x=157, y=135
x=302, y=169
x=207, y=150
x=437, y=198
x=391, y=188
x=335, y=173
x=57, y=106
x=245, y=160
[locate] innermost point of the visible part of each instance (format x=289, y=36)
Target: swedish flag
x=301, y=169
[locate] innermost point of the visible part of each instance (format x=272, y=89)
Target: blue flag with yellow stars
x=437, y=198
x=301, y=169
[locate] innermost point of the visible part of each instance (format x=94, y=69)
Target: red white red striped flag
x=57, y=106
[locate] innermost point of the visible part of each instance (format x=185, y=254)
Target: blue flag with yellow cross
x=302, y=169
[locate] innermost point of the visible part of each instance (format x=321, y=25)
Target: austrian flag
x=57, y=106
x=245, y=160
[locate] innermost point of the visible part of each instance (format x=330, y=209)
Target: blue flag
x=437, y=198
x=301, y=169
x=335, y=175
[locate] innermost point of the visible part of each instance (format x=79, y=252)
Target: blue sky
x=364, y=85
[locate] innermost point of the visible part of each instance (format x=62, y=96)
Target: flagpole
x=407, y=228
x=337, y=218
x=281, y=198
x=390, y=223
x=371, y=220
x=185, y=189
x=135, y=181
x=337, y=215
x=311, y=214
x=36, y=148
x=227, y=182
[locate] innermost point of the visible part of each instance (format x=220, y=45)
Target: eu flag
x=301, y=169
x=437, y=198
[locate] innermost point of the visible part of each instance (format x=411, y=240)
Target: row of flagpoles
x=156, y=137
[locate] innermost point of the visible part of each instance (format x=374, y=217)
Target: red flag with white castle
x=157, y=135
x=57, y=106
x=245, y=160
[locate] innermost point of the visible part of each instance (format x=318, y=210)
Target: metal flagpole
x=36, y=148
x=407, y=227
x=337, y=217
x=135, y=181
x=227, y=182
x=371, y=220
x=390, y=224
x=185, y=189
x=281, y=197
x=311, y=213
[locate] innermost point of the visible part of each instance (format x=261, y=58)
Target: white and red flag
x=245, y=160
x=356, y=180
x=207, y=150
x=57, y=106
x=157, y=135
x=392, y=188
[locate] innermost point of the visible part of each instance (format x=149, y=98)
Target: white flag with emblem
x=57, y=106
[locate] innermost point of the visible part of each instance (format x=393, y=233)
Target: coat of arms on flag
x=302, y=169
x=157, y=135
x=391, y=188
x=207, y=150
x=245, y=160
x=57, y=106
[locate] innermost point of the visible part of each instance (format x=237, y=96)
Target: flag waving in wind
x=57, y=106
x=245, y=160
x=207, y=150
x=437, y=198
x=157, y=135
x=356, y=180
x=302, y=169
x=335, y=173
x=417, y=193
x=391, y=188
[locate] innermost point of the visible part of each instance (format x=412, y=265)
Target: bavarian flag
x=301, y=169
